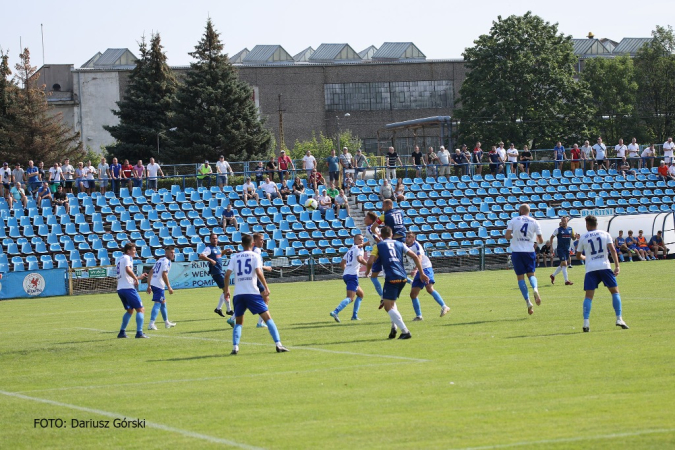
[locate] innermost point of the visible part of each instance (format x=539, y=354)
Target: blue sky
x=76, y=30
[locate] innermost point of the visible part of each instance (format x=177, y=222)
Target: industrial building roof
x=304, y=55
x=367, y=53
x=239, y=56
x=585, y=47
x=334, y=53
x=398, y=50
x=630, y=45
x=112, y=57
x=267, y=54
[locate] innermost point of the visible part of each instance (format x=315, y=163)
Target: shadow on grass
x=189, y=358
x=323, y=325
x=81, y=342
x=197, y=320
x=353, y=341
x=572, y=333
x=484, y=321
x=207, y=331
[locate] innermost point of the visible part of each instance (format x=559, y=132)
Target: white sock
x=221, y=300
x=279, y=344
x=586, y=323
x=398, y=320
x=228, y=304
x=260, y=321
x=152, y=322
x=235, y=348
x=557, y=271
x=618, y=318
x=564, y=271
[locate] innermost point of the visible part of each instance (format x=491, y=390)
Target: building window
x=384, y=96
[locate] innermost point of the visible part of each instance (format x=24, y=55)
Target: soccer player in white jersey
x=127, y=282
x=159, y=280
x=417, y=284
x=258, y=244
x=523, y=231
x=351, y=264
x=247, y=269
x=594, y=247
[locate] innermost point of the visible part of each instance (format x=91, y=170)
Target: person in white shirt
x=127, y=282
x=443, y=156
x=351, y=265
x=512, y=155
x=502, y=151
x=417, y=285
x=648, y=155
x=6, y=178
x=270, y=189
x=308, y=163
x=68, y=174
x=91, y=182
x=634, y=151
x=103, y=174
x=248, y=189
x=588, y=155
x=671, y=171
x=159, y=280
x=620, y=151
x=523, y=231
x=223, y=168
x=55, y=176
x=247, y=269
x=325, y=202
x=668, y=148
x=600, y=154
x=152, y=169
x=341, y=201
x=594, y=247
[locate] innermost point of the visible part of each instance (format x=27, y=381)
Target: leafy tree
x=613, y=88
x=214, y=108
x=654, y=69
x=145, y=111
x=30, y=129
x=322, y=146
x=7, y=94
x=520, y=86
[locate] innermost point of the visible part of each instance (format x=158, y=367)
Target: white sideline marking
x=572, y=439
x=159, y=426
x=404, y=358
x=229, y=377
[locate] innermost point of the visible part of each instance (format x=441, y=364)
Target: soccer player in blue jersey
x=258, y=245
x=373, y=234
x=247, y=269
x=562, y=251
x=620, y=246
x=213, y=256
x=417, y=284
x=159, y=280
x=393, y=218
x=523, y=231
x=390, y=253
x=595, y=247
x=351, y=264
x=127, y=282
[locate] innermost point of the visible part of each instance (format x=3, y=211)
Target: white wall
x=97, y=92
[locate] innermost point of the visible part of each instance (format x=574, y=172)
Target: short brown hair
x=592, y=220
x=128, y=246
x=372, y=215
x=386, y=232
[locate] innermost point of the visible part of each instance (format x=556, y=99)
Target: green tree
x=322, y=146
x=145, y=111
x=31, y=130
x=520, y=86
x=214, y=110
x=654, y=72
x=8, y=90
x=613, y=89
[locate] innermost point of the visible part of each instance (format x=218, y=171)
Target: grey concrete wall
x=97, y=91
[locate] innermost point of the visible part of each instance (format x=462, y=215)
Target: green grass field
x=485, y=376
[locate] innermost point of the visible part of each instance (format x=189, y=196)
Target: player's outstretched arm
x=203, y=257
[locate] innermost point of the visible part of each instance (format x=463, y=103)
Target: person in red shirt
x=127, y=170
x=284, y=163
x=576, y=157
x=663, y=171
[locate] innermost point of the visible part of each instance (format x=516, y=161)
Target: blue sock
x=523, y=289
x=236, y=334
x=139, y=322
x=616, y=303
x=125, y=321
x=408, y=280
x=155, y=311
x=438, y=298
x=587, y=308
x=343, y=304
x=533, y=282
x=357, y=305
x=416, y=306
x=271, y=326
x=621, y=257
x=378, y=286
x=165, y=313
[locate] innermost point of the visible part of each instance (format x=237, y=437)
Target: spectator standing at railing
x=308, y=163
x=41, y=171
x=587, y=155
x=668, y=148
x=496, y=161
x=6, y=178
x=248, y=190
x=298, y=187
x=271, y=167
x=138, y=171
x=559, y=155
x=204, y=175
x=620, y=149
x=417, y=160
x=55, y=176
x=346, y=161
x=443, y=161
x=285, y=163
x=91, y=180
x=460, y=162
x=648, y=155
x=33, y=176
x=223, y=169
x=477, y=159
x=501, y=151
x=68, y=172
x=634, y=152
x=333, y=162
x=259, y=172
x=601, y=154
x=152, y=170
x=360, y=164
x=392, y=162
x=18, y=174
x=81, y=178
x=575, y=157
x=128, y=173
x=104, y=174
x=432, y=163
x=512, y=156
x=115, y=175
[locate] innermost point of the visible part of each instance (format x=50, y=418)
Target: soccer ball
x=311, y=204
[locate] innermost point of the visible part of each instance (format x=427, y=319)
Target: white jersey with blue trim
x=351, y=258
x=161, y=266
x=594, y=245
x=524, y=231
x=243, y=265
x=370, y=236
x=419, y=251
x=124, y=281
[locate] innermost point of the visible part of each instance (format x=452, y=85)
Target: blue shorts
x=252, y=302
x=593, y=279
x=632, y=247
x=524, y=262
x=392, y=289
x=157, y=294
x=130, y=299
x=352, y=282
x=219, y=279
x=562, y=253
x=261, y=287
x=417, y=283
x=377, y=266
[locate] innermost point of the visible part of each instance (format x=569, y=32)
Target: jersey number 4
x=523, y=229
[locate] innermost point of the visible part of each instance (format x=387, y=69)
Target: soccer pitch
x=485, y=376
